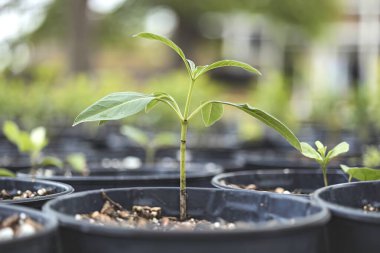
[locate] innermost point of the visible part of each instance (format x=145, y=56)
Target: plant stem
x=324, y=172
x=182, y=176
x=183, y=194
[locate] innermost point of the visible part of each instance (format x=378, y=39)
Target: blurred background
x=319, y=60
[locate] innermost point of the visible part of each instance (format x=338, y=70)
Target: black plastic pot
x=284, y=224
x=14, y=184
x=352, y=230
x=198, y=175
x=305, y=181
x=45, y=241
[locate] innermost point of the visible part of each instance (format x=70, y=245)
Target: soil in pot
x=18, y=225
x=277, y=223
x=30, y=192
x=355, y=224
x=198, y=175
x=146, y=217
x=286, y=181
x=27, y=230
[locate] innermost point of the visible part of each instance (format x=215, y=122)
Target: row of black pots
x=230, y=159
x=341, y=224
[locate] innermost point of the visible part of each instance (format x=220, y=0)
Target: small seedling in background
x=6, y=173
x=124, y=104
x=33, y=143
x=149, y=143
x=371, y=157
x=321, y=156
x=361, y=173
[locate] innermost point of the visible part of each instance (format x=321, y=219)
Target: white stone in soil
x=6, y=234
x=26, y=229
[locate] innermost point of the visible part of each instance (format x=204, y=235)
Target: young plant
x=149, y=143
x=33, y=143
x=321, y=156
x=361, y=173
x=120, y=105
x=6, y=173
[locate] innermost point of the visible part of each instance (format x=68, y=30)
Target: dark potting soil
x=254, y=187
x=146, y=217
x=18, y=194
x=18, y=225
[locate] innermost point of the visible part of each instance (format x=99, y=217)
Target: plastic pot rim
x=67, y=190
x=215, y=181
x=346, y=211
x=50, y=223
x=193, y=175
x=321, y=217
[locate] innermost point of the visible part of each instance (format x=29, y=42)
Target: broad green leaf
x=38, y=138
x=115, y=106
x=224, y=63
x=321, y=148
x=211, y=113
x=269, y=120
x=167, y=42
x=12, y=132
x=51, y=161
x=341, y=148
x=135, y=134
x=362, y=174
x=6, y=173
x=77, y=162
x=310, y=152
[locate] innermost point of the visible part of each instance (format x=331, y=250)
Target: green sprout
x=120, y=105
x=361, y=173
x=149, y=143
x=321, y=156
x=34, y=142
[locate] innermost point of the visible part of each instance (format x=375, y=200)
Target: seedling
x=6, y=173
x=34, y=142
x=371, y=157
x=120, y=105
x=149, y=143
x=361, y=173
x=321, y=156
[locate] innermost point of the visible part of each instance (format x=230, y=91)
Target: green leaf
x=6, y=173
x=77, y=162
x=310, y=152
x=362, y=174
x=191, y=64
x=135, y=134
x=321, y=148
x=38, y=138
x=25, y=144
x=200, y=70
x=51, y=161
x=151, y=105
x=167, y=42
x=12, y=132
x=341, y=148
x=115, y=106
x=269, y=120
x=211, y=113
